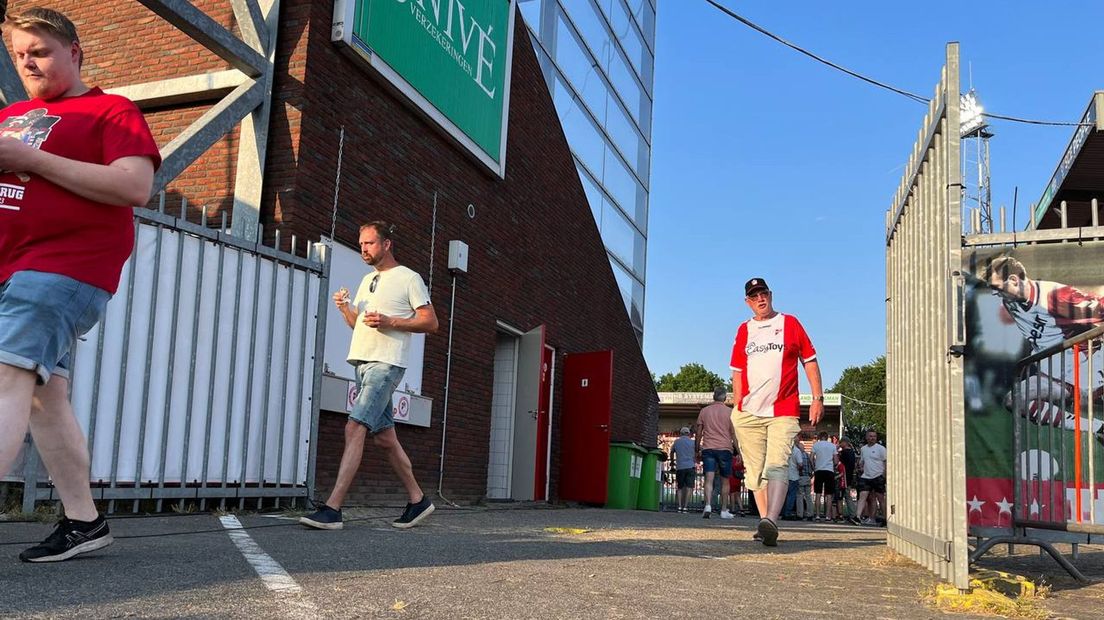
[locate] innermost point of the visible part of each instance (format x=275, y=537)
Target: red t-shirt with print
x=45, y=227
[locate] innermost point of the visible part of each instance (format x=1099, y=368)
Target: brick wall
x=536, y=254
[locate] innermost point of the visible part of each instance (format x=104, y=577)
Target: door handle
x=604, y=427
x=534, y=414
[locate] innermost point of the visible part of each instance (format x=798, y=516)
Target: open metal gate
x=925, y=339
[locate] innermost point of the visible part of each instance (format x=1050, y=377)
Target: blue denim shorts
x=376, y=382
x=719, y=461
x=41, y=317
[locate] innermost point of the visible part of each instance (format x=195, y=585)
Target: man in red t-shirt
x=764, y=363
x=73, y=161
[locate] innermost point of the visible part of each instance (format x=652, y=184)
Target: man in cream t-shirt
x=391, y=303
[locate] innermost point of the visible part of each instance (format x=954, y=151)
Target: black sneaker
x=70, y=538
x=325, y=518
x=768, y=532
x=414, y=513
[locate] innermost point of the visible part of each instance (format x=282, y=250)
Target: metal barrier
x=925, y=338
x=202, y=381
x=1059, y=390
x=668, y=493
x=1057, y=397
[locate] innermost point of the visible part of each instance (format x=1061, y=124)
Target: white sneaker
x=708, y=511
x=726, y=514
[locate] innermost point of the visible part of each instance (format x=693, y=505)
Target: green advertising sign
x=451, y=58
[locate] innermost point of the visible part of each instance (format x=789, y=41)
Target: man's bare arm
x=125, y=182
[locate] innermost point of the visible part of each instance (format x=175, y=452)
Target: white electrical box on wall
x=458, y=256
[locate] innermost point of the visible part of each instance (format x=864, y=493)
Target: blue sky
x=766, y=163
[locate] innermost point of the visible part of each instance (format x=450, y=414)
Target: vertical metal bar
x=1040, y=410
x=1092, y=437
x=214, y=365
x=121, y=394
x=152, y=329
x=255, y=303
x=172, y=360
x=1065, y=216
x=319, y=346
x=1057, y=429
x=1077, y=432
x=1018, y=509
x=233, y=369
x=196, y=305
x=289, y=323
x=30, y=474
x=302, y=370
x=268, y=369
x=94, y=413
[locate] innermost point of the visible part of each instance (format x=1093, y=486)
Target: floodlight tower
x=975, y=128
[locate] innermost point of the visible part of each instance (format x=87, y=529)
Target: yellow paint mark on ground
x=573, y=531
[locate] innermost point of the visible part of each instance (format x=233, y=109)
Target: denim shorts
x=41, y=317
x=376, y=382
x=719, y=461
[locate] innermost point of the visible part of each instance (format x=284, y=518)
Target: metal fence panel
x=1055, y=477
x=926, y=481
x=200, y=382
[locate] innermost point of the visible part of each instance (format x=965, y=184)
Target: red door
x=587, y=407
x=541, y=478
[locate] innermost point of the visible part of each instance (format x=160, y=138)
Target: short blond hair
x=47, y=21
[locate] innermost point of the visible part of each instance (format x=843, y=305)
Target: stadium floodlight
x=972, y=119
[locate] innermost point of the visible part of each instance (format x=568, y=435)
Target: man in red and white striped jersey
x=1047, y=314
x=764, y=363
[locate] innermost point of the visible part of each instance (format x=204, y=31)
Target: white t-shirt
x=398, y=293
x=873, y=460
x=823, y=451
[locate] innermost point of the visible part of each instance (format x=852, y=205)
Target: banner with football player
x=1020, y=302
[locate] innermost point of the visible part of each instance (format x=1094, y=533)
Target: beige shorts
x=765, y=445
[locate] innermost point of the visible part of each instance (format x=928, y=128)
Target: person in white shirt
x=796, y=463
x=391, y=303
x=824, y=475
x=872, y=480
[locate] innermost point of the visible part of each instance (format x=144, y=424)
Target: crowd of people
x=833, y=482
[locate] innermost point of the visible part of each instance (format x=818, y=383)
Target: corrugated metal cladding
x=925, y=334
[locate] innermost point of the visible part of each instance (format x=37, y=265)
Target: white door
x=503, y=400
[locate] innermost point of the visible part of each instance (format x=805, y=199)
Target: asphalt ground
x=493, y=563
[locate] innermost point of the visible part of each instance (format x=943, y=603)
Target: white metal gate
x=925, y=337
x=201, y=382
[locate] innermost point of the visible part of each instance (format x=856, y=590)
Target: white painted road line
x=274, y=577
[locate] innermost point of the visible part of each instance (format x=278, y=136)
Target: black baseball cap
x=754, y=285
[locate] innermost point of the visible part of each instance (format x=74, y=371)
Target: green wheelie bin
x=651, y=476
x=623, y=486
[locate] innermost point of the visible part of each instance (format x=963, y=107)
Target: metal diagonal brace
x=206, y=130
x=252, y=24
x=1027, y=540
x=198, y=25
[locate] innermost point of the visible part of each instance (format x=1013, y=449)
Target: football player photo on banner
x=1022, y=302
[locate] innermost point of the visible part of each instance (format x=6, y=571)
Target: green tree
x=691, y=377
x=864, y=392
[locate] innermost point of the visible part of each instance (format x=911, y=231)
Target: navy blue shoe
x=414, y=513
x=325, y=518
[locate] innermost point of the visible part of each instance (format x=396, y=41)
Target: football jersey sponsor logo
x=753, y=348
